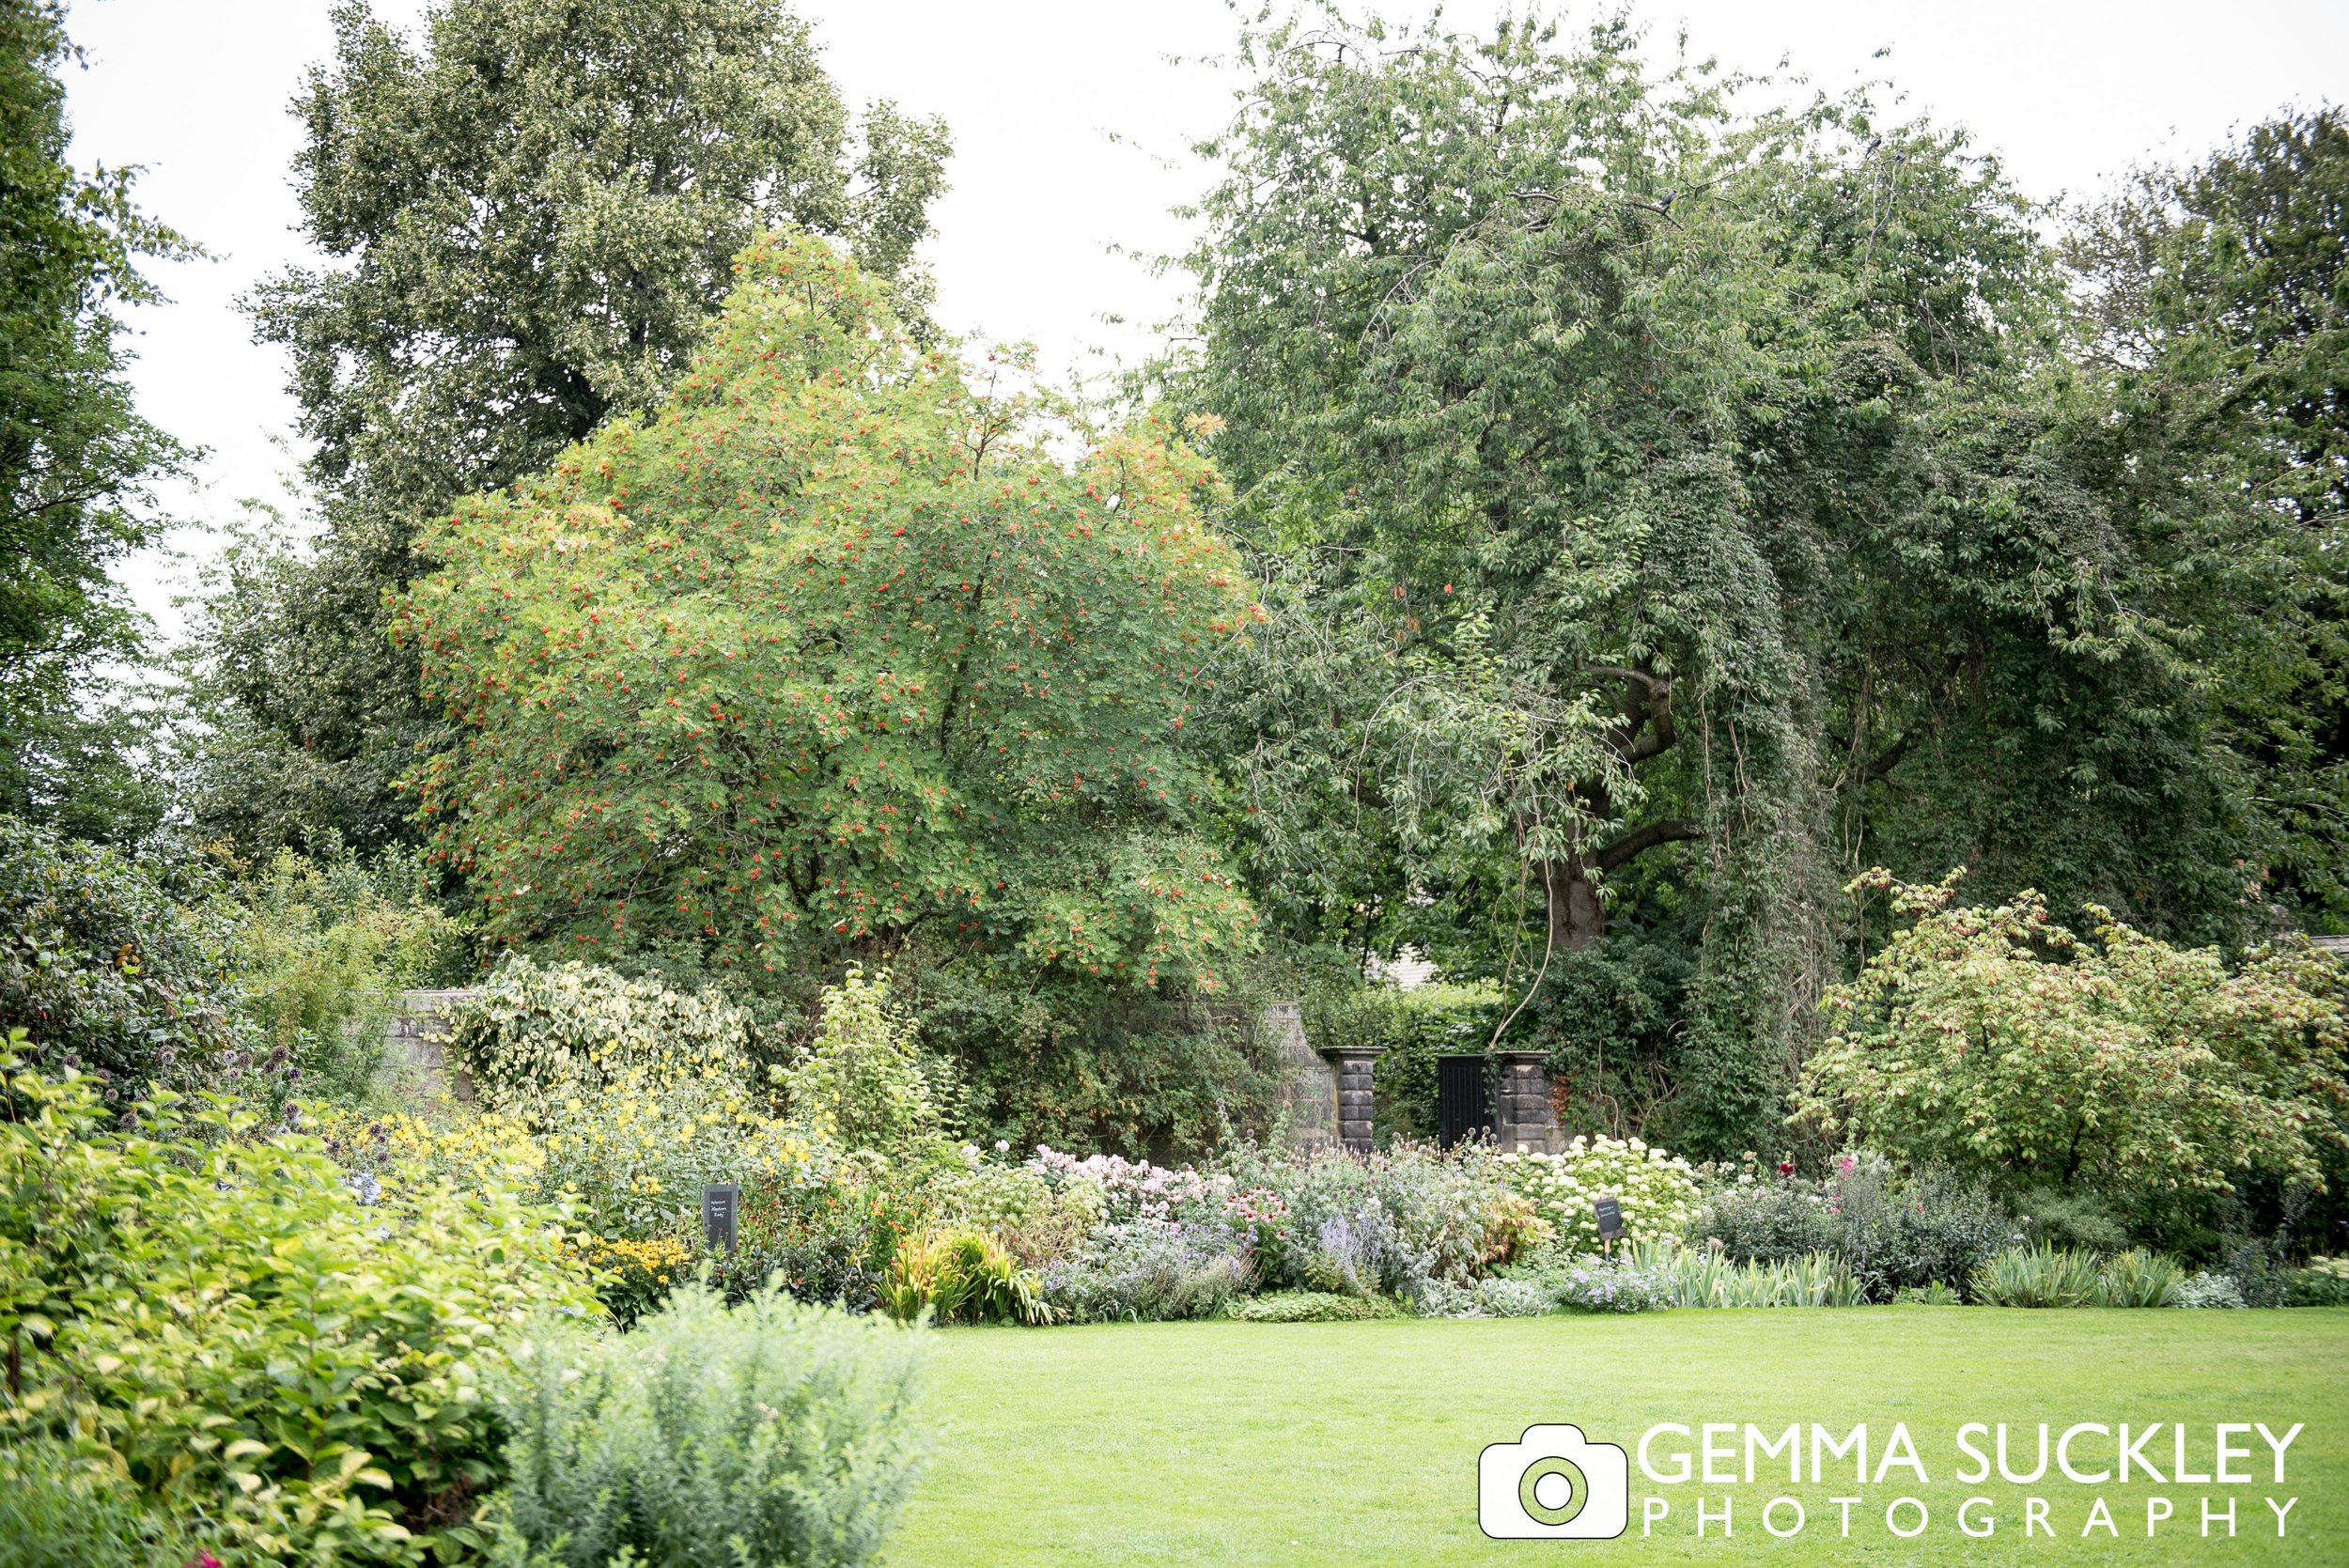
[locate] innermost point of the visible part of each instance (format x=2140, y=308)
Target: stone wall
x=1308, y=1085
x=415, y=1063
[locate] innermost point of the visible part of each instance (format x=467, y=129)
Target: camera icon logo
x=1555, y=1484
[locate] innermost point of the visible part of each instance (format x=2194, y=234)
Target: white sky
x=1070, y=124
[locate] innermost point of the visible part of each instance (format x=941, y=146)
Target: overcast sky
x=1070, y=120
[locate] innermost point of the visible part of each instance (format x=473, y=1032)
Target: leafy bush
x=247, y=1335
x=1310, y=1306
x=1147, y=1271
x=1992, y=1040
x=862, y=1083
x=1584, y=1284
x=1497, y=1298
x=1707, y=1277
x=821, y=1236
x=2139, y=1279
x=1935, y=1295
x=108, y=976
x=321, y=948
x=1660, y=1194
x=634, y=1277
x=2041, y=1276
x=530, y=1027
x=2208, y=1290
x=59, y=1508
x=1891, y=1231
x=2082, y=1222
x=960, y=1277
x=766, y=1434
x=2325, y=1282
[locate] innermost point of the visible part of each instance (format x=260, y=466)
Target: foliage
x=1412, y=1026
x=1307, y=1305
x=960, y=1275
x=1659, y=1192
x=862, y=1083
x=77, y=462
x=2207, y=1290
x=2082, y=1222
x=1893, y=1232
x=1049, y=1057
x=527, y=215
x=2324, y=1283
x=1934, y=1295
x=107, y=973
x=2139, y=1279
x=323, y=947
x=1709, y=1277
x=531, y=1026
x=249, y=1338
x=2041, y=1276
x=1582, y=1283
x=822, y=1236
x=768, y=1433
x=1990, y=1039
x=941, y=689
x=1147, y=1271
x=62, y=1509
x=633, y=1278
x=2213, y=311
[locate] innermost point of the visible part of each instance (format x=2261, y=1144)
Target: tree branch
x=1664, y=830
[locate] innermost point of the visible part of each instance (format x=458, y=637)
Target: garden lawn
x=1357, y=1443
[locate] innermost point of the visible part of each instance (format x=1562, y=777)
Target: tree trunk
x=1577, y=917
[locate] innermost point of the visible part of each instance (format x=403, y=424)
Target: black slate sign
x=721, y=1201
x=1609, y=1208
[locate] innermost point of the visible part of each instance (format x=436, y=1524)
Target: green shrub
x=107, y=974
x=2139, y=1279
x=767, y=1433
x=962, y=1277
x=1993, y=1040
x=59, y=1508
x=863, y=1082
x=530, y=1027
x=1660, y=1194
x=321, y=950
x=246, y=1336
x=2079, y=1221
x=2208, y=1290
x=2041, y=1276
x=2325, y=1282
x=1707, y=1277
x=1312, y=1306
x=1933, y=1295
x=1147, y=1271
x=819, y=1237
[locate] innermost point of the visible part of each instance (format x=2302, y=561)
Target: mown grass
x=1358, y=1442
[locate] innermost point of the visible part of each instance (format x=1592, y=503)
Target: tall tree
x=833, y=654
x=1676, y=506
x=2216, y=331
x=529, y=214
x=77, y=459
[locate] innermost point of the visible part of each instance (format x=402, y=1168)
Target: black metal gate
x=1463, y=1098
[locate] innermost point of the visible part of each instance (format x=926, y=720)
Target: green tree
x=529, y=211
x=76, y=461
x=833, y=652
x=1993, y=1040
x=1669, y=508
x=2217, y=327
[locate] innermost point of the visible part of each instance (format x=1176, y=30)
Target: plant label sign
x=721, y=1203
x=1609, y=1210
